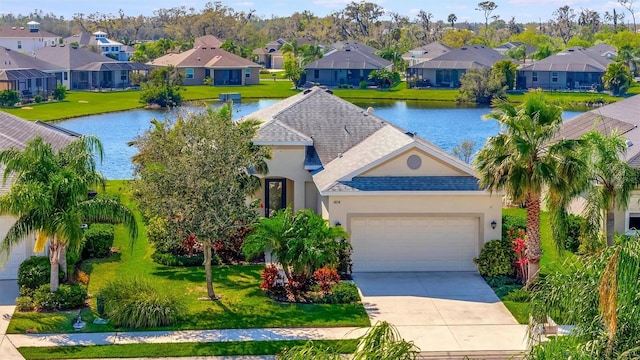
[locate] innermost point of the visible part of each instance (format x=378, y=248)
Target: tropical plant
x=524, y=158
x=163, y=87
x=49, y=197
x=496, y=259
x=482, y=86
x=302, y=243
x=292, y=69
x=194, y=176
x=611, y=180
x=382, y=77
x=8, y=98
x=617, y=78
x=508, y=68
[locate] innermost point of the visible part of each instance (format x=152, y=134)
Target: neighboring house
x=271, y=57
x=82, y=69
x=341, y=45
x=622, y=116
x=406, y=204
x=222, y=67
x=502, y=49
x=207, y=41
x=16, y=133
x=106, y=46
x=575, y=68
x=26, y=74
x=348, y=66
x=424, y=53
x=26, y=39
x=447, y=69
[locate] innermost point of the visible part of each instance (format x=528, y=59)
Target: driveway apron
x=442, y=311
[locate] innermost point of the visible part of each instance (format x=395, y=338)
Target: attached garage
x=414, y=243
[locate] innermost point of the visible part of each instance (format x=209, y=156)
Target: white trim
x=284, y=143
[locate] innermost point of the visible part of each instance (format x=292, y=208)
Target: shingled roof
x=353, y=58
x=575, y=59
x=10, y=59
x=70, y=57
x=203, y=56
x=463, y=58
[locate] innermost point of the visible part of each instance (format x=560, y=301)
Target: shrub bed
x=65, y=298
x=34, y=272
x=98, y=241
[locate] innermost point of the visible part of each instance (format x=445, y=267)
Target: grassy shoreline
x=86, y=103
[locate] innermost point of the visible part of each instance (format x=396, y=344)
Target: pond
x=445, y=125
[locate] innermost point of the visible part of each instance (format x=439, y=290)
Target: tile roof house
x=348, y=66
x=447, y=69
x=16, y=133
x=623, y=117
x=424, y=53
x=407, y=204
x=222, y=67
x=26, y=38
x=81, y=69
x=26, y=74
x=575, y=68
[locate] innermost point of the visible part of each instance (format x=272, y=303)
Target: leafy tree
x=293, y=70
x=451, y=19
x=393, y=54
x=522, y=160
x=617, y=78
x=563, y=24
x=163, y=87
x=482, y=86
x=458, y=38
x=518, y=53
x=8, y=98
x=49, y=197
x=611, y=180
x=465, y=150
x=487, y=7
x=382, y=77
x=629, y=5
x=60, y=92
x=508, y=68
x=302, y=243
x=194, y=173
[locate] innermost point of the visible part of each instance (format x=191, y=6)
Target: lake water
x=445, y=125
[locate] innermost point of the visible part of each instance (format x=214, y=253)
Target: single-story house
x=341, y=45
x=222, y=67
x=511, y=45
x=208, y=41
x=447, y=69
x=424, y=53
x=406, y=204
x=575, y=68
x=271, y=57
x=622, y=116
x=16, y=133
x=81, y=69
x=348, y=66
x=26, y=74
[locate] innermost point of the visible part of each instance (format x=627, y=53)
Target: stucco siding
x=18, y=253
x=429, y=166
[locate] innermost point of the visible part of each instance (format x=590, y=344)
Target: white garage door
x=9, y=271
x=428, y=243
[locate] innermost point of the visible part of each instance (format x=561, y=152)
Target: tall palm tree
x=311, y=53
x=524, y=158
x=49, y=197
x=612, y=179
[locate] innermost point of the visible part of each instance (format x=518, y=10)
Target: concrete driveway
x=448, y=312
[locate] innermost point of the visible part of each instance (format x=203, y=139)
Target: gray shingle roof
x=69, y=57
x=204, y=56
x=10, y=59
x=350, y=58
x=407, y=183
x=463, y=58
x=428, y=51
x=16, y=133
x=114, y=66
x=575, y=59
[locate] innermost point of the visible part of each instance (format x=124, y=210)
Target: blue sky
x=523, y=10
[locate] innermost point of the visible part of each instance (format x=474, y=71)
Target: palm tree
x=311, y=53
x=452, y=18
x=49, y=197
x=612, y=179
x=617, y=78
x=523, y=159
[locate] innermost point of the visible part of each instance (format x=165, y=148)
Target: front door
x=275, y=195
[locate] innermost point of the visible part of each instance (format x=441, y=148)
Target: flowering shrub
x=326, y=279
x=518, y=239
x=271, y=278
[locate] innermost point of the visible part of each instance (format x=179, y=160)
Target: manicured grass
x=81, y=103
x=243, y=303
x=178, y=349
x=519, y=310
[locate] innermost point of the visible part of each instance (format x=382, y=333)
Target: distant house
x=26, y=74
x=15, y=133
x=106, y=46
x=424, y=53
x=26, y=39
x=348, y=66
x=342, y=45
x=504, y=48
x=222, y=67
x=82, y=69
x=207, y=41
x=447, y=69
x=271, y=57
x=575, y=68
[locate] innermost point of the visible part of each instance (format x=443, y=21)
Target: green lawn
x=178, y=350
x=243, y=303
x=82, y=103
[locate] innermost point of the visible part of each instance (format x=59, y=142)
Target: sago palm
x=524, y=159
x=49, y=197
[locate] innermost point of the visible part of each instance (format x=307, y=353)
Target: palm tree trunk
x=207, y=270
x=533, y=252
x=63, y=262
x=54, y=260
x=609, y=216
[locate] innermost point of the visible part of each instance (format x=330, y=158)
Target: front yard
x=243, y=303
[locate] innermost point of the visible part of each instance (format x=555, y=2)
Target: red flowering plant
x=326, y=279
x=271, y=278
x=518, y=239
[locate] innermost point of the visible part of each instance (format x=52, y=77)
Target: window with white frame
x=19, y=44
x=188, y=73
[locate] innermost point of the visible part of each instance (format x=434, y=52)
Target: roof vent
x=369, y=110
x=21, y=27
x=13, y=28
x=629, y=143
x=307, y=91
x=198, y=58
x=329, y=91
